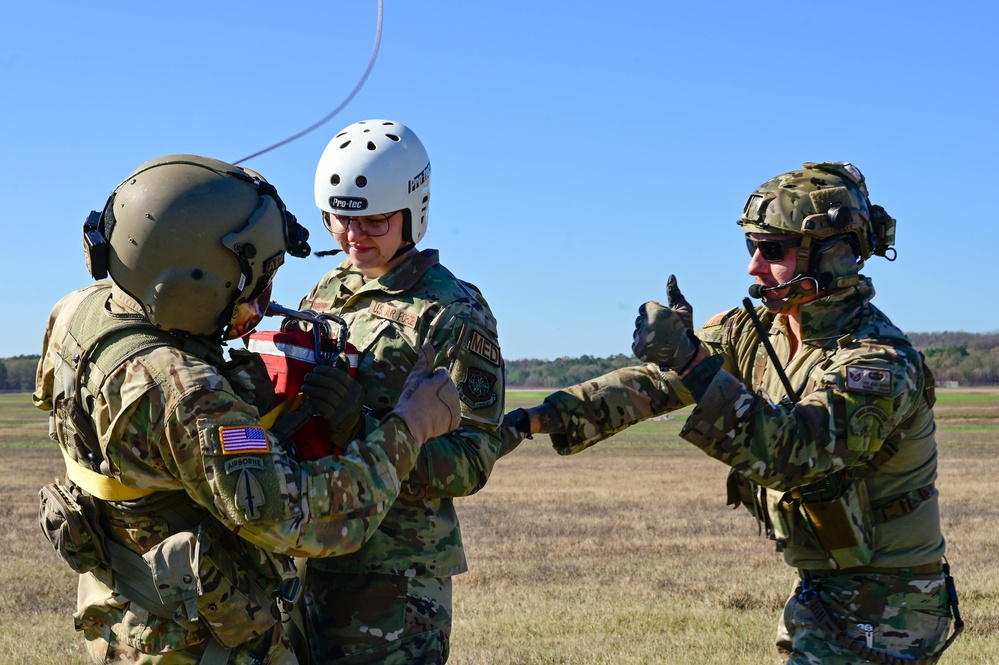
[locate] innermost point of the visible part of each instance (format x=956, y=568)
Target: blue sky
x=581, y=151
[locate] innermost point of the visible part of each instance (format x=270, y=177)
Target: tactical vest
x=197, y=572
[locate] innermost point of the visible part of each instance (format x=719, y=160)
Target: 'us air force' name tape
x=384, y=311
x=870, y=380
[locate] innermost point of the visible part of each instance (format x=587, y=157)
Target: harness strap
x=902, y=505
x=99, y=485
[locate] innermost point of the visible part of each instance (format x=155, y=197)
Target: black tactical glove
x=515, y=428
x=664, y=335
x=338, y=399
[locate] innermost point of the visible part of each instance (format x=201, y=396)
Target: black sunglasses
x=771, y=250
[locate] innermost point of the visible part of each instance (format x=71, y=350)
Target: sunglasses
x=771, y=250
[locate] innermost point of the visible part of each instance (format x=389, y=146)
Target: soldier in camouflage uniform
x=839, y=461
x=390, y=602
x=181, y=511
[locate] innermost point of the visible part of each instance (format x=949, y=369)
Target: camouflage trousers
x=377, y=619
x=905, y=617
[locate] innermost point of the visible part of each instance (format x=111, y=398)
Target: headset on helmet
x=191, y=239
x=822, y=202
x=375, y=167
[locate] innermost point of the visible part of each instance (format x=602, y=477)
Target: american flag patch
x=244, y=440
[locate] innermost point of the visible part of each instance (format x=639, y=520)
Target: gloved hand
x=338, y=399
x=664, y=335
x=515, y=428
x=429, y=402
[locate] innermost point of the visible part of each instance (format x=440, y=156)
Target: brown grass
x=622, y=554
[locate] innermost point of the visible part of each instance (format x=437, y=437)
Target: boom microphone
x=758, y=290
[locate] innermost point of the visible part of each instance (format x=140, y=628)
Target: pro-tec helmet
x=376, y=167
x=192, y=238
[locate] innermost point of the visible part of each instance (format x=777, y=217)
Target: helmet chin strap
x=402, y=250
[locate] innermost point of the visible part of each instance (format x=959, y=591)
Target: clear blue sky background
x=581, y=151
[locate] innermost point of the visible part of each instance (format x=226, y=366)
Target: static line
x=357, y=88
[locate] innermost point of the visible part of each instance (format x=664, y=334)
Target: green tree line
x=970, y=359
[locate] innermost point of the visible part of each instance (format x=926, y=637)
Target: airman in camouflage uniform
x=390, y=602
x=193, y=509
x=839, y=461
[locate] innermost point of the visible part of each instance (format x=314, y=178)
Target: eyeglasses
x=771, y=250
x=369, y=226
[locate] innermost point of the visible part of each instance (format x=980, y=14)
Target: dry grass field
x=622, y=554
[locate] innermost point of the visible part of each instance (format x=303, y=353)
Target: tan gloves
x=429, y=402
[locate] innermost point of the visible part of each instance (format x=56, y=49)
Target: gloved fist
x=338, y=399
x=515, y=428
x=662, y=337
x=429, y=402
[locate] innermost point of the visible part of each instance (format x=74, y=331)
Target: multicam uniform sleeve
x=203, y=439
x=459, y=463
x=594, y=410
x=863, y=392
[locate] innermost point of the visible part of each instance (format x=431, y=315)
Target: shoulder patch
x=870, y=380
x=243, y=439
x=484, y=348
x=715, y=320
x=477, y=389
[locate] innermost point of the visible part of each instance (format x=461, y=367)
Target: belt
x=924, y=569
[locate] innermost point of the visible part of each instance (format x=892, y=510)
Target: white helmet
x=375, y=167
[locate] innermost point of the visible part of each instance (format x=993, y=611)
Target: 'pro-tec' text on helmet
x=191, y=238
x=375, y=167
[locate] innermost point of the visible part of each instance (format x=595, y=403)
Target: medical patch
x=384, y=311
x=870, y=380
x=477, y=389
x=240, y=463
x=483, y=348
x=246, y=439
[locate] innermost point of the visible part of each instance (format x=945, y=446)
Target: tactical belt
x=925, y=569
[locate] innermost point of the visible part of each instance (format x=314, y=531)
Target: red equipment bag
x=291, y=353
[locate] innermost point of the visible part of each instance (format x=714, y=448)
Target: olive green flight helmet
x=820, y=201
x=191, y=239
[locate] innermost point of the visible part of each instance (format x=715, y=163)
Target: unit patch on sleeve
x=870, y=380
x=483, y=348
x=244, y=439
x=477, y=388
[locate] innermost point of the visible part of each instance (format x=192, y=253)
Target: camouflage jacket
x=184, y=426
x=860, y=383
x=389, y=318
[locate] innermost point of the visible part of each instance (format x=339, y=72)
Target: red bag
x=289, y=354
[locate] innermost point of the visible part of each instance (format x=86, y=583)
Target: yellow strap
x=269, y=418
x=98, y=484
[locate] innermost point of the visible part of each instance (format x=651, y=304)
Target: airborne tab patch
x=870, y=380
x=244, y=439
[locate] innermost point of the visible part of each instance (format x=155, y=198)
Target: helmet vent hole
x=196, y=274
x=361, y=181
x=335, y=179
x=344, y=145
x=393, y=137
x=372, y=146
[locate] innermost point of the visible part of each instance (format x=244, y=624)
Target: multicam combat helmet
x=819, y=202
x=192, y=239
x=374, y=167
